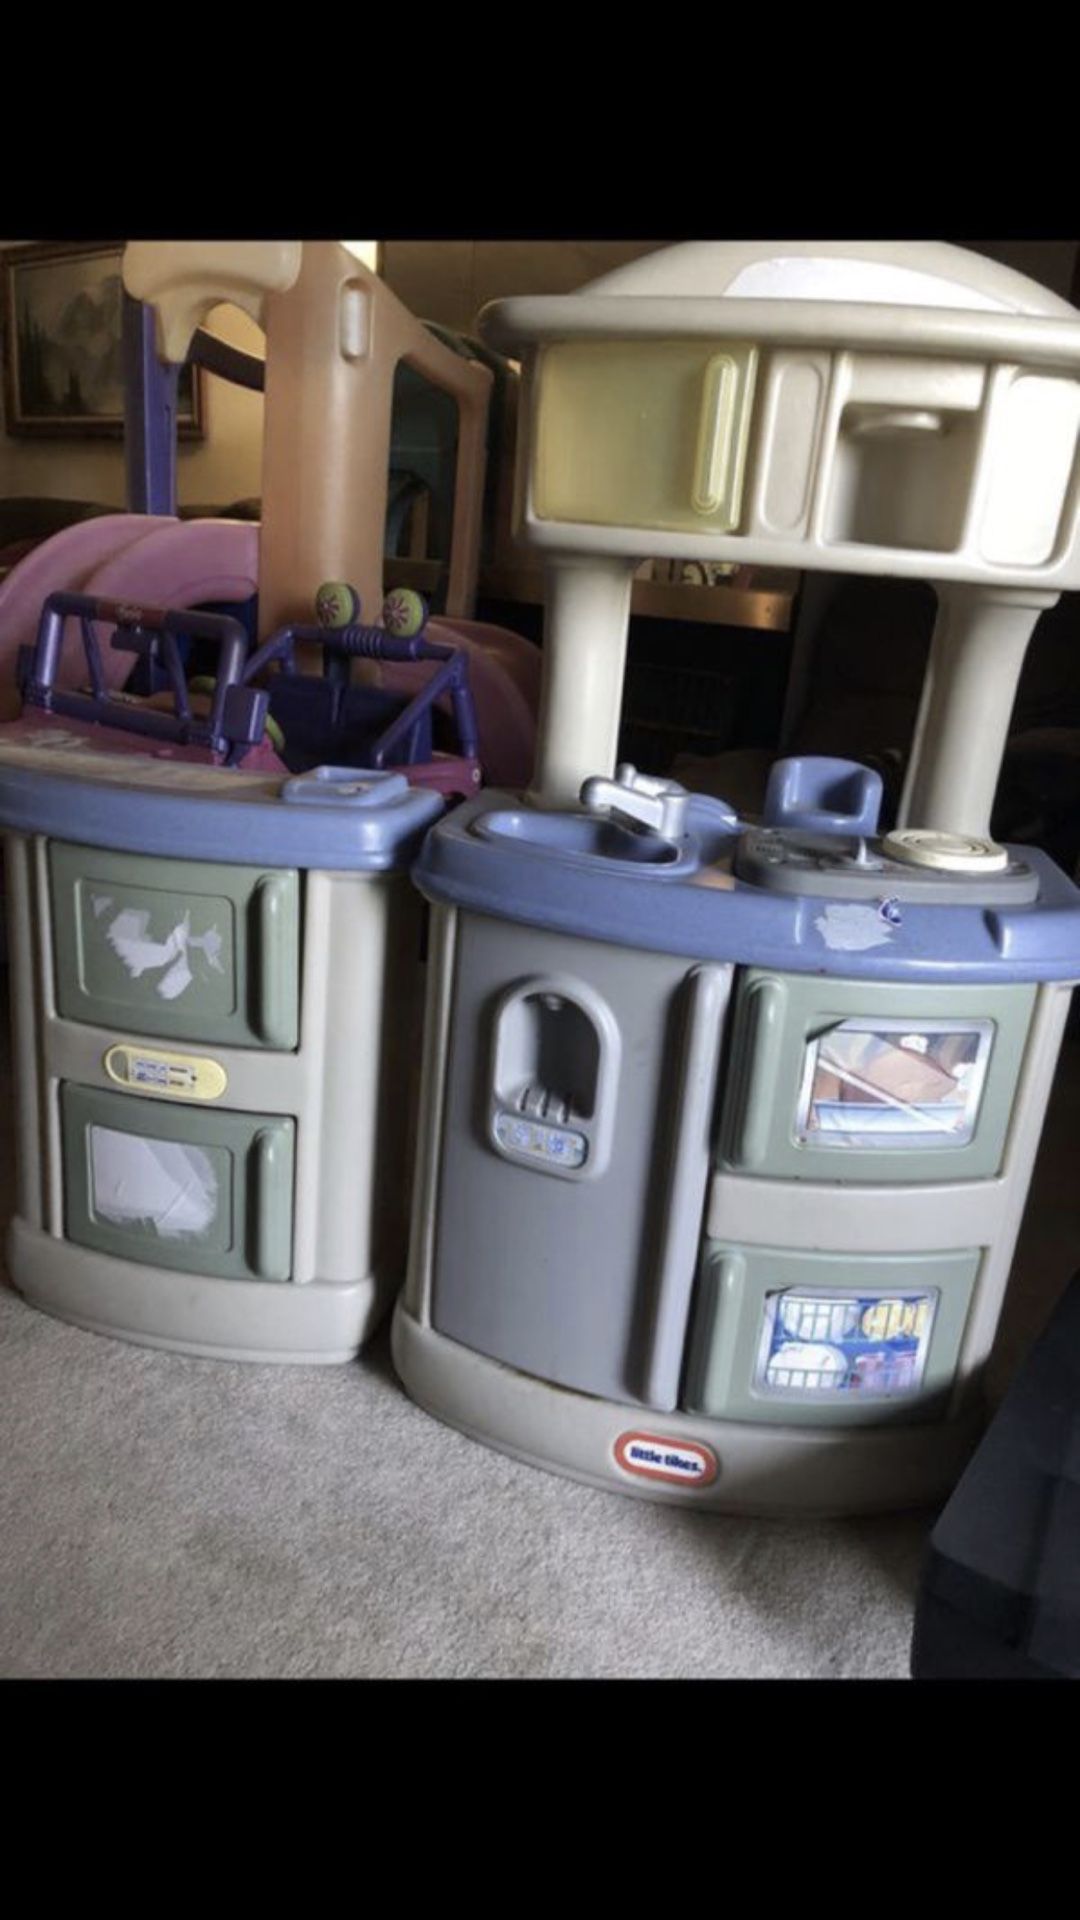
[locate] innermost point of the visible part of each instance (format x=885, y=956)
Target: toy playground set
x=725, y=1127
x=214, y=945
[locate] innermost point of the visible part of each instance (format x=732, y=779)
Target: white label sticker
x=159, y=1184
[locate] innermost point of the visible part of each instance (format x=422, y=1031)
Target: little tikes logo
x=680, y=1463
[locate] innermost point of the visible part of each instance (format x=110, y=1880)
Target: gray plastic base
x=762, y=1470
x=313, y=1325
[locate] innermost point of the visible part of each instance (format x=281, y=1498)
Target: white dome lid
x=856, y=291
x=924, y=273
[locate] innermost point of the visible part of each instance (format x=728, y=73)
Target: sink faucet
x=639, y=798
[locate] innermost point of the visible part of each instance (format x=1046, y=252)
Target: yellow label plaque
x=179, y=1076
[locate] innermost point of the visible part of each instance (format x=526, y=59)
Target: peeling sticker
x=141, y=953
x=152, y=1183
x=101, y=902
x=849, y=928
x=55, y=737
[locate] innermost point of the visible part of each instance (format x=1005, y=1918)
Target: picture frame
x=62, y=324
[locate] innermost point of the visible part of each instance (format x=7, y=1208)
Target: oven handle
x=271, y=1200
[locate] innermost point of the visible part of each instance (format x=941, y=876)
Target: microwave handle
x=273, y=1001
x=707, y=989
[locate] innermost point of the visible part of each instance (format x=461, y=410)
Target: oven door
x=202, y=1192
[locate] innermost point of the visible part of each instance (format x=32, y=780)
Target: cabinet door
x=843, y=1080
x=826, y=1339
x=644, y=433
x=200, y=1192
x=184, y=949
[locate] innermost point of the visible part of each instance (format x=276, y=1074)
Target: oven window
x=894, y=1083
x=825, y=1342
x=164, y=1188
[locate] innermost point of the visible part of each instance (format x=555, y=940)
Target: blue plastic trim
x=807, y=791
x=696, y=910
x=242, y=828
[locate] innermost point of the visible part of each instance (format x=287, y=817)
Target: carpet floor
x=167, y=1517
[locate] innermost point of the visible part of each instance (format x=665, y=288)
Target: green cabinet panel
x=184, y=949
x=202, y=1192
x=849, y=1081
x=830, y=1339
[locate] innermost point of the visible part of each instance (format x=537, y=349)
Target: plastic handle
x=714, y=435
x=761, y=1050
x=273, y=1015
x=184, y=279
x=707, y=989
x=137, y=627
x=353, y=643
x=271, y=1204
x=893, y=423
x=640, y=798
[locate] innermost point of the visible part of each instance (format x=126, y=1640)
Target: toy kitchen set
x=727, y=1129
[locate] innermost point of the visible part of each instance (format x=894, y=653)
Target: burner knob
x=944, y=852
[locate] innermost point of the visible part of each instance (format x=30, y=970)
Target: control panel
x=556, y=1146
x=938, y=869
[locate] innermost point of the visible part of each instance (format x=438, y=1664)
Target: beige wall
x=1051, y=262
x=443, y=280
x=450, y=280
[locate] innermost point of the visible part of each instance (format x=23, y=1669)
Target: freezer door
x=848, y=1081
x=177, y=1187
x=184, y=949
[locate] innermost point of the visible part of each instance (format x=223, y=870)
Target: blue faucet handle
x=822, y=795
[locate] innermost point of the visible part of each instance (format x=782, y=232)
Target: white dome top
x=893, y=296
x=925, y=273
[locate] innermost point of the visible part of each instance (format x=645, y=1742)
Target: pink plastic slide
x=66, y=561
x=187, y=563
x=504, y=674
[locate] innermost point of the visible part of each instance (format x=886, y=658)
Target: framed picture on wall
x=62, y=344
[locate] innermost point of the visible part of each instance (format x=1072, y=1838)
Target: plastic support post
x=150, y=393
x=980, y=641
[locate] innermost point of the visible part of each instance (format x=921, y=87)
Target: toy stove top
x=935, y=869
x=815, y=888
